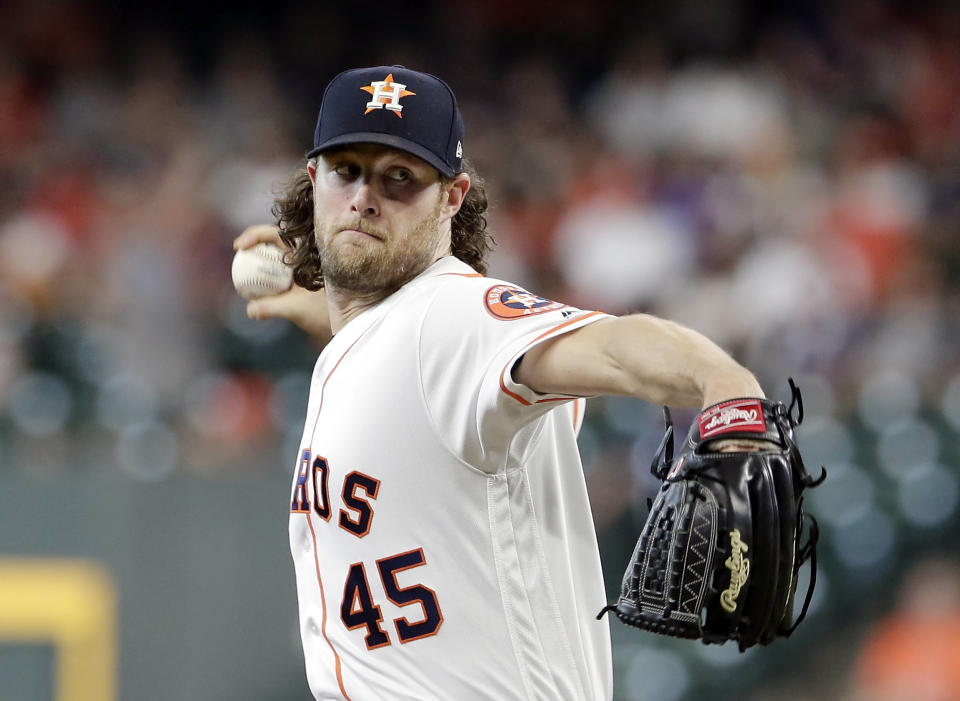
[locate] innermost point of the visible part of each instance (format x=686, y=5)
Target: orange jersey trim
x=459, y=274
x=323, y=602
x=313, y=534
x=503, y=372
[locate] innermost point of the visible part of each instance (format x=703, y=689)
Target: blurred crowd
x=784, y=178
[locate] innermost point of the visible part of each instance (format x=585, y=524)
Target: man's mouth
x=362, y=232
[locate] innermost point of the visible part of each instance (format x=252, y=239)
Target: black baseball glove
x=719, y=554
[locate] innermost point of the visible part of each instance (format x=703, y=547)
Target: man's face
x=380, y=217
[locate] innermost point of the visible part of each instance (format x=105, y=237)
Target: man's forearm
x=639, y=355
x=667, y=363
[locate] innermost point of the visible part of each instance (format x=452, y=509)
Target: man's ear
x=456, y=194
x=312, y=170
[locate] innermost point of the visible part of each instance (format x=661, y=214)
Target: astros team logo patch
x=386, y=94
x=506, y=302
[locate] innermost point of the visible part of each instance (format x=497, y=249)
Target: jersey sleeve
x=472, y=335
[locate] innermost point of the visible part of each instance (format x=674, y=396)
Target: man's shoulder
x=454, y=281
x=458, y=290
x=449, y=268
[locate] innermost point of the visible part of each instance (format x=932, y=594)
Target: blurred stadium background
x=784, y=177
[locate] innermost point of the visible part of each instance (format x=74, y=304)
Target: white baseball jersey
x=440, y=528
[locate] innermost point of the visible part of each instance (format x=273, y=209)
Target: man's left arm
x=720, y=552
x=639, y=355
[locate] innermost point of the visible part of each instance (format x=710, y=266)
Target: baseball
x=259, y=271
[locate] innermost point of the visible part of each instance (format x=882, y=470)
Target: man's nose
x=365, y=201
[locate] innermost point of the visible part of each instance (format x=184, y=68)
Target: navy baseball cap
x=392, y=105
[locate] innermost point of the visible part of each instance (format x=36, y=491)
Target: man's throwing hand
x=306, y=309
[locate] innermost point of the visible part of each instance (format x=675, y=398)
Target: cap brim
x=373, y=137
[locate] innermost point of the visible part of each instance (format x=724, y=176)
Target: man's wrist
x=736, y=386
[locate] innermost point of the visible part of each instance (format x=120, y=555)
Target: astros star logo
x=387, y=94
x=520, y=299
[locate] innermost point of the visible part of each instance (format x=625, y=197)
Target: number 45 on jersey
x=357, y=609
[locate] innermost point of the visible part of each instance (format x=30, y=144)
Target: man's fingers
x=294, y=304
x=306, y=309
x=270, y=307
x=259, y=233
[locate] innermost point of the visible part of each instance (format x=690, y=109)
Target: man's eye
x=399, y=175
x=345, y=170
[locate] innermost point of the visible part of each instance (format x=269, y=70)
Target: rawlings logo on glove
x=738, y=415
x=739, y=567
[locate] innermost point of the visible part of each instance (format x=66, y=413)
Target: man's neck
x=345, y=305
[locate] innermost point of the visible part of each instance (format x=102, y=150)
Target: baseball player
x=439, y=523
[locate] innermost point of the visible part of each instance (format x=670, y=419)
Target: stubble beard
x=382, y=267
